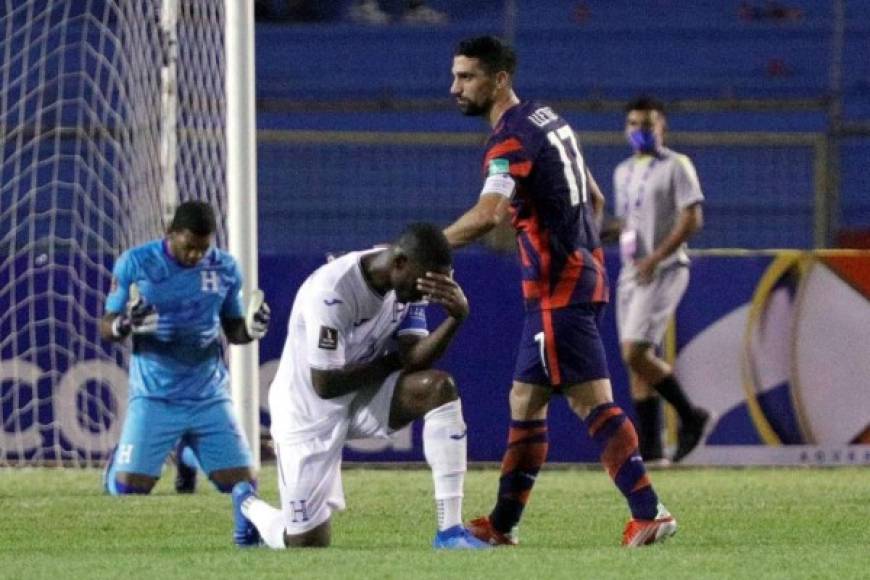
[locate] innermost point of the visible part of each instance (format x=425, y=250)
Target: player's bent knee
x=124, y=489
x=132, y=484
x=306, y=541
x=584, y=397
x=636, y=355
x=319, y=537
x=223, y=487
x=225, y=479
x=444, y=388
x=420, y=392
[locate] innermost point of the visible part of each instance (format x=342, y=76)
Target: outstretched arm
x=489, y=211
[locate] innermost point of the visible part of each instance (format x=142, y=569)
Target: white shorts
x=309, y=470
x=643, y=312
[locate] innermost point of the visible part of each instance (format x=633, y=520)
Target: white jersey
x=337, y=319
x=651, y=191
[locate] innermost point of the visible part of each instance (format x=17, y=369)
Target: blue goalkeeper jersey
x=183, y=359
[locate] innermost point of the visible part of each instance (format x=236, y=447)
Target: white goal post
x=111, y=112
x=242, y=192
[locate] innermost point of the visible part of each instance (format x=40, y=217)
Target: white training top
x=651, y=191
x=337, y=319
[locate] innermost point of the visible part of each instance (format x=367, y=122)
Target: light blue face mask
x=642, y=140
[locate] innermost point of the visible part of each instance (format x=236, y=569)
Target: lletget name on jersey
x=543, y=116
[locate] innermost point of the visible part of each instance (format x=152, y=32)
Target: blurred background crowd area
x=358, y=133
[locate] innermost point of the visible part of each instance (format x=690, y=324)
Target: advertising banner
x=775, y=344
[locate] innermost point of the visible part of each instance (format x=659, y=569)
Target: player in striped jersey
x=535, y=173
x=659, y=206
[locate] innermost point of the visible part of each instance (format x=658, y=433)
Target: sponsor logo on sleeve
x=328, y=338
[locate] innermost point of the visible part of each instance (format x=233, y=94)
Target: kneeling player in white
x=356, y=364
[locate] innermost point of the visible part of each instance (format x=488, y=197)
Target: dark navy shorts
x=562, y=346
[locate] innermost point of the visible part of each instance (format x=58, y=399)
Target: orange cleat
x=481, y=528
x=645, y=532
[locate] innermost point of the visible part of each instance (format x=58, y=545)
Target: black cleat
x=185, y=477
x=691, y=433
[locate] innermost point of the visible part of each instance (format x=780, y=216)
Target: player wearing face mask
x=658, y=201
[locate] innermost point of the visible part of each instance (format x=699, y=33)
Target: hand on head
x=443, y=289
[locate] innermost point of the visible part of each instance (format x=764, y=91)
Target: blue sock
x=124, y=489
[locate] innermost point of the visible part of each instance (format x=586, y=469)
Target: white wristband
x=502, y=184
x=116, y=328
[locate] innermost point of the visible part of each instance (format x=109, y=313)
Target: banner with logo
x=774, y=343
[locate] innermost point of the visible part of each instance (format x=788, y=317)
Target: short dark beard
x=475, y=110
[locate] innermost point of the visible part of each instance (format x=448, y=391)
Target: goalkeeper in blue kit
x=174, y=296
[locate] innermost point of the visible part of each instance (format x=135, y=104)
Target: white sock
x=444, y=445
x=268, y=520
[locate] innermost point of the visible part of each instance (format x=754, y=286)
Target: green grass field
x=763, y=523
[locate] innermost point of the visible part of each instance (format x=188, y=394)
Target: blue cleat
x=245, y=534
x=457, y=538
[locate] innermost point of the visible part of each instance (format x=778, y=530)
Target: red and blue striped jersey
x=560, y=252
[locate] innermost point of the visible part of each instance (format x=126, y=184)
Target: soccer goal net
x=111, y=111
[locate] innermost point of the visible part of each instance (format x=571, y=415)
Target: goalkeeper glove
x=257, y=316
x=139, y=318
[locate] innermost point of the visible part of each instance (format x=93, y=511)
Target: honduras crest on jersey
x=183, y=358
